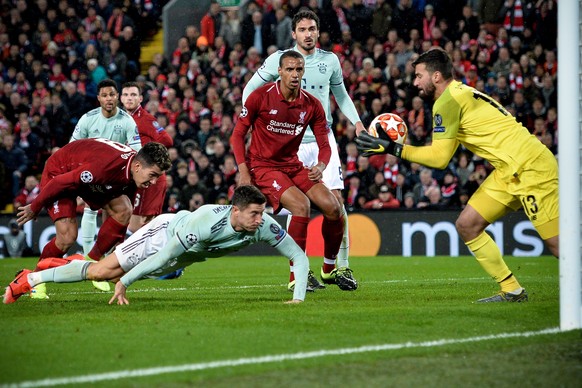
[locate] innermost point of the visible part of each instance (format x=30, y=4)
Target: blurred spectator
x=405, y=18
x=14, y=242
x=193, y=185
x=30, y=143
x=426, y=182
x=15, y=165
x=450, y=191
x=58, y=117
x=351, y=159
x=385, y=200
x=75, y=102
x=129, y=44
x=352, y=191
x=464, y=168
x=230, y=29
x=28, y=193
x=469, y=23
x=211, y=22
x=549, y=93
x=283, y=38
x=409, y=202
x=546, y=23
x=97, y=73
x=359, y=18
x=118, y=21
x=254, y=33
x=381, y=19
x=195, y=202
x=217, y=189
x=432, y=200
x=502, y=66
x=418, y=123
x=365, y=171
x=429, y=21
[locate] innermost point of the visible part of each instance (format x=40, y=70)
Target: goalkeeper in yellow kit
x=525, y=175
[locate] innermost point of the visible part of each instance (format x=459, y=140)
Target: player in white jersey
x=108, y=122
x=173, y=241
x=322, y=73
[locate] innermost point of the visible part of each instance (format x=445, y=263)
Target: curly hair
x=154, y=154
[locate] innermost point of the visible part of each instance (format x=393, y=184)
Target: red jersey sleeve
x=55, y=188
x=246, y=118
x=319, y=126
x=150, y=130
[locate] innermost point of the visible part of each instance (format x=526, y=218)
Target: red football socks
x=110, y=234
x=298, y=231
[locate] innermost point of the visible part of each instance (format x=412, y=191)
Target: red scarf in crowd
x=515, y=25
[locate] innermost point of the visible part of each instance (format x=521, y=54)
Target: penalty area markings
x=124, y=374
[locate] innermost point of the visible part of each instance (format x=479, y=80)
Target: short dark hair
x=247, y=195
x=436, y=59
x=154, y=154
x=290, y=54
x=132, y=84
x=106, y=83
x=304, y=13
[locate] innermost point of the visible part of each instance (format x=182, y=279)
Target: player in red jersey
x=148, y=202
x=279, y=113
x=105, y=174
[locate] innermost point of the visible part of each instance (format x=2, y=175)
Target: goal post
x=569, y=121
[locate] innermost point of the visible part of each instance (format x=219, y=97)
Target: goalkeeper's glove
x=369, y=145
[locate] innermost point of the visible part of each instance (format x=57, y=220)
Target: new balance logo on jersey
x=273, y=111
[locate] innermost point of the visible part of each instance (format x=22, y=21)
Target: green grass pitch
x=412, y=322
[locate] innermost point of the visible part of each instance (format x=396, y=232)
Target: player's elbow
x=441, y=165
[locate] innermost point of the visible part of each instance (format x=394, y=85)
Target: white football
x=393, y=126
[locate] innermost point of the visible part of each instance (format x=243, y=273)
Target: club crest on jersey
x=86, y=177
x=322, y=68
x=277, y=186
x=302, y=118
x=438, y=124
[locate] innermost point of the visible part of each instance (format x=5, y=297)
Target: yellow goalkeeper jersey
x=485, y=128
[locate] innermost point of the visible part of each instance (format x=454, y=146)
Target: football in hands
x=393, y=125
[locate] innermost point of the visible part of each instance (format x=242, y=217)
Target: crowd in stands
x=54, y=53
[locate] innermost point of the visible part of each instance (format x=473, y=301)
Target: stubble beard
x=428, y=92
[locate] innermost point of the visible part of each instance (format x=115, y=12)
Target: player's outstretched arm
x=119, y=294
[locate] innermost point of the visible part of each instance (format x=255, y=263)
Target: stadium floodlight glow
x=569, y=84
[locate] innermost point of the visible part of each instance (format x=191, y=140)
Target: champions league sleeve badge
x=86, y=177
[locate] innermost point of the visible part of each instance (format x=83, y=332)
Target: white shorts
x=332, y=175
x=145, y=242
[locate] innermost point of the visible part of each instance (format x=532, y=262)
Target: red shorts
x=149, y=202
x=65, y=207
x=274, y=182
